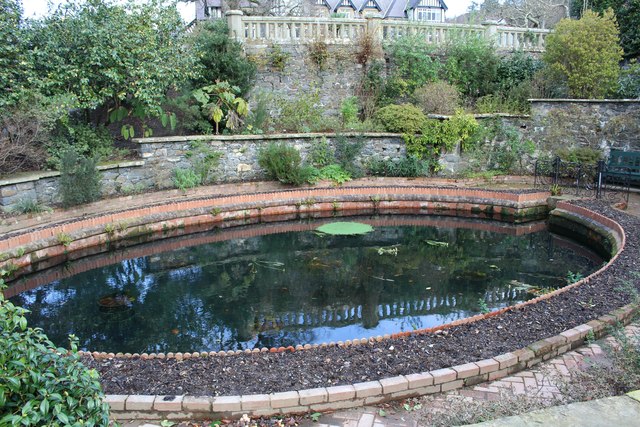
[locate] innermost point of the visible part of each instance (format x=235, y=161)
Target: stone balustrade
x=258, y=31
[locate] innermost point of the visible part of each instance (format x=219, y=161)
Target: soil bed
x=330, y=366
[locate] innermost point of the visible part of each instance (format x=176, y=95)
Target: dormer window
x=372, y=3
x=429, y=15
x=320, y=2
x=213, y=12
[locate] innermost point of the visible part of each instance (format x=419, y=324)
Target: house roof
x=388, y=8
x=218, y=3
x=415, y=3
x=361, y=4
x=396, y=9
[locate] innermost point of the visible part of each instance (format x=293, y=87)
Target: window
x=344, y=13
x=428, y=15
x=214, y=12
x=320, y=2
x=372, y=4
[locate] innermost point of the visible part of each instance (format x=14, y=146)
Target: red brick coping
x=403, y=386
x=92, y=232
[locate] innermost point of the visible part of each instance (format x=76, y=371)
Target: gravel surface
x=322, y=367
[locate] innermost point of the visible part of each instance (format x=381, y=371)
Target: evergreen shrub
x=79, y=179
x=41, y=384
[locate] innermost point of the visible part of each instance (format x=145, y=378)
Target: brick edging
x=399, y=387
x=367, y=393
x=338, y=397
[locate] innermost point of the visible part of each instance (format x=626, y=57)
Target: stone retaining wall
x=43, y=186
x=240, y=159
x=597, y=124
x=553, y=124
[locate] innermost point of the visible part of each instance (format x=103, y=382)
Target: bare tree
x=522, y=13
x=260, y=7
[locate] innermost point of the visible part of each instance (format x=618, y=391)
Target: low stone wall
x=553, y=124
x=43, y=186
x=597, y=124
x=239, y=161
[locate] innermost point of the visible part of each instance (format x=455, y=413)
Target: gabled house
x=212, y=9
x=415, y=10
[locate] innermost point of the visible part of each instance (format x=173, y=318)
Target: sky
x=38, y=8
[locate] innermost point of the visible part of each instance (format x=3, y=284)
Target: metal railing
x=583, y=179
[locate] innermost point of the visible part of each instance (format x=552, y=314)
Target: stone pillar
x=236, y=26
x=491, y=31
x=374, y=27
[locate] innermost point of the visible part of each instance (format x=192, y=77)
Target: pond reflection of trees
x=295, y=288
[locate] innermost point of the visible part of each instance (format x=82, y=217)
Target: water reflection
x=297, y=288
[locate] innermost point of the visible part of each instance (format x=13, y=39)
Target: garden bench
x=623, y=165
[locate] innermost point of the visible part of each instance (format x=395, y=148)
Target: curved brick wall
x=42, y=247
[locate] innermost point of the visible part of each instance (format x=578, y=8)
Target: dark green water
x=297, y=288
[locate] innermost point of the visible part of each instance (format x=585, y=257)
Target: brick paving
x=542, y=381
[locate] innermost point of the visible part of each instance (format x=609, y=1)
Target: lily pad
x=345, y=228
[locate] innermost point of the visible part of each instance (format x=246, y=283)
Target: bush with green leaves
x=259, y=119
x=405, y=118
x=349, y=111
x=186, y=178
x=84, y=139
x=587, y=53
x=334, y=173
x=301, y=114
x=110, y=55
x=516, y=68
x=630, y=81
x=498, y=147
x=15, y=67
x=204, y=160
x=346, y=154
x=278, y=58
x=29, y=206
x=437, y=97
x=442, y=135
x=515, y=101
x=320, y=153
x=437, y=136
x=79, y=179
x=471, y=65
x=219, y=57
x=580, y=154
x=412, y=65
x=408, y=167
x=221, y=101
x=283, y=162
x=41, y=384
x=189, y=115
